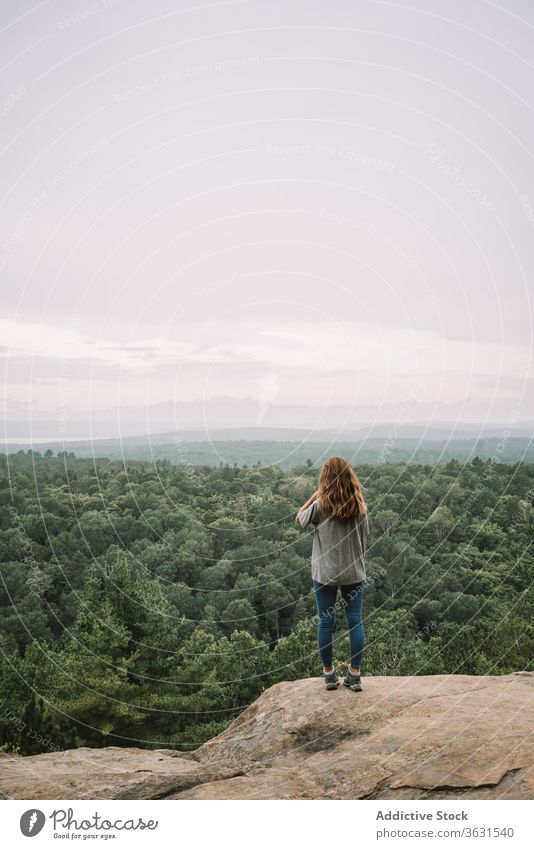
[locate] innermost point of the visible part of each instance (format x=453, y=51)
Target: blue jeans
x=352, y=601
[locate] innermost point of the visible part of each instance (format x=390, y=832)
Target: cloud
x=11, y=405
x=327, y=368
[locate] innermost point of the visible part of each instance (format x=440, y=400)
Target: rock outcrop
x=438, y=737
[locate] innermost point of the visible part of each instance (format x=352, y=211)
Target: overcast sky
x=265, y=212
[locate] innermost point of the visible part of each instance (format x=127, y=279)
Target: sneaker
x=331, y=681
x=353, y=682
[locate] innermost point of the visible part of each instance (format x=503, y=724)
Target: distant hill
x=289, y=453
x=47, y=433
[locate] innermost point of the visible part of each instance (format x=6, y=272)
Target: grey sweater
x=339, y=546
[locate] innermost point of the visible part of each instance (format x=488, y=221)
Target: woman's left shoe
x=331, y=681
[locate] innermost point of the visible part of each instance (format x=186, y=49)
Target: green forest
x=148, y=603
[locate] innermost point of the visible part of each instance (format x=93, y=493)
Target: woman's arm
x=364, y=531
x=306, y=504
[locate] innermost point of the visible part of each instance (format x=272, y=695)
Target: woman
x=338, y=511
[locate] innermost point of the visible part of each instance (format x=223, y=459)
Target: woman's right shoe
x=353, y=682
x=331, y=681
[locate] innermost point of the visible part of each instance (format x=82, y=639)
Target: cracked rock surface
x=439, y=736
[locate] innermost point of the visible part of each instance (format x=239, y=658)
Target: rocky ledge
x=433, y=737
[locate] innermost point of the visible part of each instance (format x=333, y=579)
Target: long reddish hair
x=340, y=492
